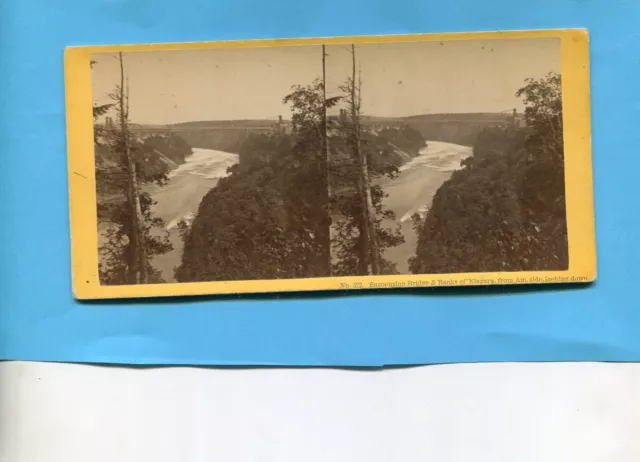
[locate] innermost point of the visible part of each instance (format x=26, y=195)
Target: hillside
x=156, y=155
x=504, y=211
x=239, y=123
x=268, y=219
x=229, y=135
x=460, y=128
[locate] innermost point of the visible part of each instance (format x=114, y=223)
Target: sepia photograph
x=330, y=160
x=447, y=157
x=210, y=165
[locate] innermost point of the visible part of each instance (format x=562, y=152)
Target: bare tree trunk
x=373, y=234
x=139, y=251
x=325, y=141
x=363, y=174
x=363, y=228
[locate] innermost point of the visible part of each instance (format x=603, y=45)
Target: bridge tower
x=343, y=116
x=108, y=124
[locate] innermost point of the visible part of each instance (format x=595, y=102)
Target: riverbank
x=412, y=192
x=180, y=198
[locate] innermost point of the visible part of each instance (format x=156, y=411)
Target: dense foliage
x=116, y=254
x=505, y=210
x=168, y=146
x=269, y=218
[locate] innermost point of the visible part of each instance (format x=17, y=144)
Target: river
x=413, y=190
x=180, y=198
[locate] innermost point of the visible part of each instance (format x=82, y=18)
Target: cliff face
x=155, y=155
x=387, y=148
x=399, y=144
x=172, y=146
x=228, y=140
x=404, y=139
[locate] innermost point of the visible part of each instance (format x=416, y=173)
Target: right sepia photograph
x=446, y=157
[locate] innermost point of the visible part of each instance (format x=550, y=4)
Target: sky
x=398, y=79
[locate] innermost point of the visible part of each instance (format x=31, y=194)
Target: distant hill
x=488, y=117
x=240, y=123
x=460, y=128
x=222, y=135
x=210, y=125
x=229, y=135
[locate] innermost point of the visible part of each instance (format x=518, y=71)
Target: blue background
x=39, y=319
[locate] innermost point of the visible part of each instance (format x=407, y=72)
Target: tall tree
x=358, y=157
x=269, y=218
x=352, y=88
x=138, y=252
x=543, y=113
x=325, y=140
x=309, y=105
x=128, y=230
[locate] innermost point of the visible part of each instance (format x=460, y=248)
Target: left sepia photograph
x=210, y=165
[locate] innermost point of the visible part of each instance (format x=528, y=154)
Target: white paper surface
x=472, y=412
